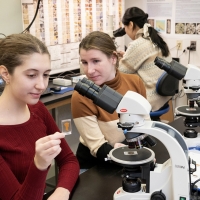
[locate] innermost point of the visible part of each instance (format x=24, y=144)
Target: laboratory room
x=99, y=100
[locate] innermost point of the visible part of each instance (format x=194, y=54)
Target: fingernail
x=67, y=133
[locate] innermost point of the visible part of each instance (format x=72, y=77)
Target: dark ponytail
x=156, y=39
x=139, y=17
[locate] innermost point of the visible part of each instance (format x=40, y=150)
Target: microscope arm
x=136, y=107
x=178, y=152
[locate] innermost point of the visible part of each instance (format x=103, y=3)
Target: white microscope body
x=191, y=83
x=172, y=177
x=169, y=180
x=191, y=87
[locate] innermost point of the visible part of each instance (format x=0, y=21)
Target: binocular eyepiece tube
x=105, y=97
x=173, y=68
x=119, y=32
x=87, y=88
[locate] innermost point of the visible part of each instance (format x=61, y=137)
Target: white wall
x=10, y=17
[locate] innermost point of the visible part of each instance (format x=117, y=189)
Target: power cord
x=193, y=186
x=190, y=48
x=180, y=94
x=178, y=46
x=3, y=34
x=36, y=12
x=173, y=47
x=184, y=50
x=68, y=75
x=189, y=56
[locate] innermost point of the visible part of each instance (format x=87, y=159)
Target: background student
x=29, y=137
x=98, y=129
x=139, y=57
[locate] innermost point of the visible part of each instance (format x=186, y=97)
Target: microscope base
x=160, y=180
x=120, y=194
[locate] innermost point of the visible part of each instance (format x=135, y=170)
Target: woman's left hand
x=117, y=145
x=60, y=193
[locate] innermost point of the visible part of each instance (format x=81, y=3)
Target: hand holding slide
x=46, y=149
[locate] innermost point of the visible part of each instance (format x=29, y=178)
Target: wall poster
x=61, y=25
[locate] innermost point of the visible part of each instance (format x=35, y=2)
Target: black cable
x=69, y=75
x=191, y=47
x=193, y=184
x=182, y=53
x=189, y=57
x=52, y=77
x=3, y=34
x=72, y=72
x=36, y=12
x=195, y=181
x=59, y=75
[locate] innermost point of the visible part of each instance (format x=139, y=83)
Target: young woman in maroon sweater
x=29, y=137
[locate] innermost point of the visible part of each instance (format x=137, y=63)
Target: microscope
x=191, y=87
x=119, y=32
x=143, y=179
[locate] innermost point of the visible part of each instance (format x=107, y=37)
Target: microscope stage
x=127, y=156
x=187, y=111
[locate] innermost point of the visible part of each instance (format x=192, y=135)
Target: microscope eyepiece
x=105, y=97
x=173, y=68
x=85, y=90
x=162, y=64
x=91, y=84
x=119, y=32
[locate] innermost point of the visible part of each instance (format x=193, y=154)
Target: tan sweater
x=95, y=125
x=139, y=58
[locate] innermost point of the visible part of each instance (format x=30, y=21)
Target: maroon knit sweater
x=19, y=177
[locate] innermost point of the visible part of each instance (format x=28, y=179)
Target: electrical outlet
x=179, y=44
x=193, y=45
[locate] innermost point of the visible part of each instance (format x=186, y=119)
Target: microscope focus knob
x=190, y=133
x=158, y=195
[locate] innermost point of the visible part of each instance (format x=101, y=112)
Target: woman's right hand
x=120, y=54
x=46, y=149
